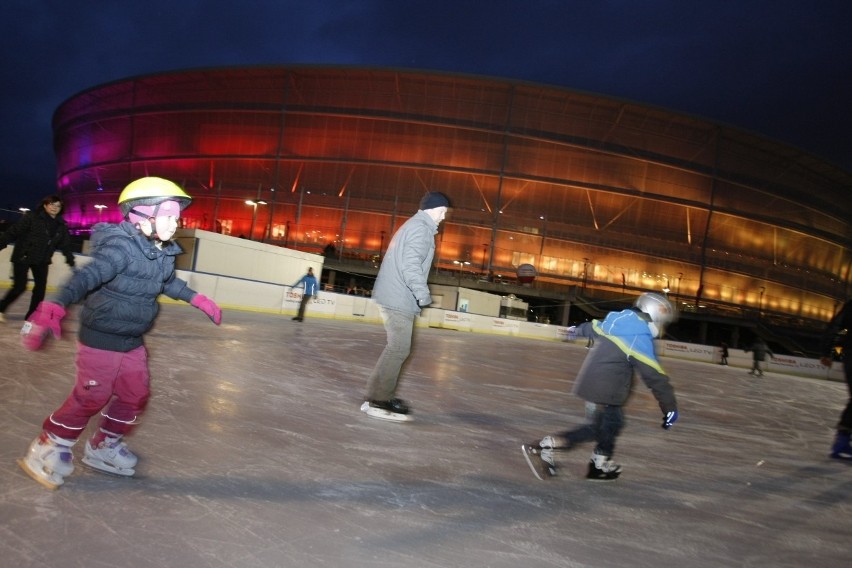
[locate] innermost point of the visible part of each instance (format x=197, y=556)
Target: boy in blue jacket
x=132, y=264
x=311, y=286
x=625, y=347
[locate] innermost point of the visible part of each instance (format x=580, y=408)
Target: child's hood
x=103, y=231
x=625, y=323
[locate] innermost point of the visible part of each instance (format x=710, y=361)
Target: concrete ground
x=253, y=453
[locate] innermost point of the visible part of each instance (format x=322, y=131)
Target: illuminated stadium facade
x=603, y=197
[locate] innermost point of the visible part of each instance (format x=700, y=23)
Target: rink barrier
x=232, y=292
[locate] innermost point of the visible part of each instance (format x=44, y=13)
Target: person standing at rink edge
x=132, y=263
x=36, y=235
x=841, y=449
x=625, y=346
x=310, y=290
x=401, y=290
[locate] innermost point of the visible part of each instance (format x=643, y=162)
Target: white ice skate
x=49, y=460
x=384, y=411
x=111, y=456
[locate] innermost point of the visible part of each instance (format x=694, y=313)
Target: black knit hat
x=434, y=199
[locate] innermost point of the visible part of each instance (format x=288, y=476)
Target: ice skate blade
x=541, y=469
x=39, y=477
x=101, y=467
x=604, y=478
x=382, y=414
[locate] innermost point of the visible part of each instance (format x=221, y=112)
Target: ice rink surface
x=253, y=453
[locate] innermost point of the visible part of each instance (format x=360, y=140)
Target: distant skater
x=309, y=281
x=759, y=349
x=723, y=352
x=36, y=236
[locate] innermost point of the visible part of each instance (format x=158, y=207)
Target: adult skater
x=401, y=290
x=625, y=346
x=36, y=235
x=842, y=320
x=723, y=353
x=759, y=349
x=309, y=282
x=132, y=264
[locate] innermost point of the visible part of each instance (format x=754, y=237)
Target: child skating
x=625, y=346
x=132, y=264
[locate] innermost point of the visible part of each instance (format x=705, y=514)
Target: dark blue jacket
x=625, y=347
x=121, y=285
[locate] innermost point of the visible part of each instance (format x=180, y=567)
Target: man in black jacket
x=842, y=448
x=37, y=235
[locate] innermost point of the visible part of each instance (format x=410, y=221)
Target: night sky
x=779, y=68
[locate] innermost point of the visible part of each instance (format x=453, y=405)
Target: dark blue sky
x=780, y=68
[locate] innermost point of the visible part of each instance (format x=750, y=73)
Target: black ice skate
x=601, y=468
x=541, y=461
x=395, y=410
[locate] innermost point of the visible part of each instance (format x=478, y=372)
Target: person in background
x=759, y=350
x=841, y=449
x=310, y=290
x=132, y=263
x=36, y=235
x=723, y=352
x=401, y=290
x=625, y=348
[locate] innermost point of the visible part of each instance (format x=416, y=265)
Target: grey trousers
x=399, y=327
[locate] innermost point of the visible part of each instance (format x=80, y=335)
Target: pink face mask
x=160, y=213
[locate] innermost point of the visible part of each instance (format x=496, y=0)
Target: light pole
x=462, y=264
x=254, y=204
x=100, y=209
x=760, y=303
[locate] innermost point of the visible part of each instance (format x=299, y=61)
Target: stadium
x=595, y=199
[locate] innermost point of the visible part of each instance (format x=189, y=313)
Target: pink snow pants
x=117, y=383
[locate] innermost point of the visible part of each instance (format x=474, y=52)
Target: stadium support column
x=710, y=207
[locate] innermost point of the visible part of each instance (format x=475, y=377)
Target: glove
x=669, y=418
x=44, y=321
x=423, y=302
x=572, y=333
x=209, y=307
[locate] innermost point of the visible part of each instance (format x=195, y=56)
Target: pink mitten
x=44, y=321
x=208, y=306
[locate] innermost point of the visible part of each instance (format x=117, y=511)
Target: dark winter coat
x=37, y=236
x=624, y=346
x=841, y=320
x=759, y=350
x=126, y=275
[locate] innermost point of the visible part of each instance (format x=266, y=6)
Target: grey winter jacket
x=126, y=275
x=401, y=283
x=624, y=346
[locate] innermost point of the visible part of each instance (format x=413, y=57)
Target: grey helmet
x=658, y=308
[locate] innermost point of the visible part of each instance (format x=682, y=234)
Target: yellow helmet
x=151, y=191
